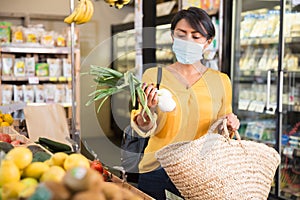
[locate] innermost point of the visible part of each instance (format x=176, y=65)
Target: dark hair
x=198, y=19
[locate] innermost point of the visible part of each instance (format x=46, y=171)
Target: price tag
x=243, y=104
x=54, y=79
x=252, y=106
x=33, y=80
x=272, y=109
x=62, y=79
x=260, y=107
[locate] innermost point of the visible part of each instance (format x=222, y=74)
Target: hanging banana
x=82, y=13
x=117, y=3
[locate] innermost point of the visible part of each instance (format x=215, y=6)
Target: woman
x=202, y=95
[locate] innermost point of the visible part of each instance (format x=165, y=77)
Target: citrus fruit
x=28, y=181
x=4, y=124
x=35, y=170
x=9, y=172
x=21, y=156
x=12, y=190
x=30, y=186
x=8, y=118
x=59, y=158
x=75, y=160
x=54, y=173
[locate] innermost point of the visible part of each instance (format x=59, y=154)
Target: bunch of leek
x=109, y=81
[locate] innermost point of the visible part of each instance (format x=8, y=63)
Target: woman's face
x=184, y=31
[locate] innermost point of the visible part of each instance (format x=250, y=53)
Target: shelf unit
x=71, y=52
x=24, y=49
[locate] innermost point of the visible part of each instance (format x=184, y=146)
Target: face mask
x=187, y=52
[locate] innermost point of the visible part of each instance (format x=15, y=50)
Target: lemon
x=4, y=124
x=59, y=158
x=35, y=170
x=28, y=181
x=30, y=186
x=8, y=118
x=22, y=156
x=48, y=162
x=76, y=160
x=55, y=173
x=12, y=190
x=9, y=172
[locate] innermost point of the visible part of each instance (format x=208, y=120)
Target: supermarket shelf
x=258, y=41
x=66, y=105
x=35, y=48
x=22, y=79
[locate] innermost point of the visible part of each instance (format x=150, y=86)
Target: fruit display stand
x=55, y=116
x=15, y=137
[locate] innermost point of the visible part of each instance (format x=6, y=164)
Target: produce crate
x=133, y=189
x=15, y=135
x=20, y=126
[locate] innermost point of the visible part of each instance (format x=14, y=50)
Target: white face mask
x=187, y=52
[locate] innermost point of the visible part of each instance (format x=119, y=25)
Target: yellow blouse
x=197, y=107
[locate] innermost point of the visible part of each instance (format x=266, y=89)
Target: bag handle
x=225, y=131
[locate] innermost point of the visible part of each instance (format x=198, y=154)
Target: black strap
x=159, y=75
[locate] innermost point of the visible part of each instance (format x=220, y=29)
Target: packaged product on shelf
x=290, y=62
x=28, y=92
x=260, y=27
x=60, y=40
x=30, y=36
x=7, y=93
x=18, y=93
x=30, y=66
x=42, y=69
x=67, y=67
x=68, y=89
x=19, y=67
x=47, y=38
x=60, y=93
x=7, y=64
x=49, y=92
x=262, y=64
x=55, y=67
x=5, y=28
x=273, y=20
x=17, y=34
x=67, y=32
x=272, y=59
x=39, y=93
x=33, y=33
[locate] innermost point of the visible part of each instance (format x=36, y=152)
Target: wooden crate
x=133, y=189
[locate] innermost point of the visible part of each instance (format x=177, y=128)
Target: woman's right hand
x=144, y=122
x=151, y=95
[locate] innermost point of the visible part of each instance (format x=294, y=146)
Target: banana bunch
x=82, y=13
x=117, y=3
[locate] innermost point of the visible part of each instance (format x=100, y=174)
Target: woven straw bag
x=215, y=167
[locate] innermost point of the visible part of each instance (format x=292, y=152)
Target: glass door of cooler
x=290, y=166
x=265, y=73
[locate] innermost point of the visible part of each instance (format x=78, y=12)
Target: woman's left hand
x=233, y=123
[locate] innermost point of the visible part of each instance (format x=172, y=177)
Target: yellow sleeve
x=226, y=107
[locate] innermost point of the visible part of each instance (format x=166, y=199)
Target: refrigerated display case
x=265, y=73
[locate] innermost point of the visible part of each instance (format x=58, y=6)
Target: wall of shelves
x=50, y=77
